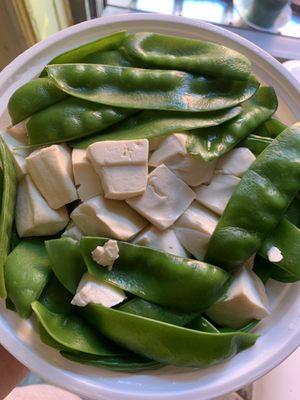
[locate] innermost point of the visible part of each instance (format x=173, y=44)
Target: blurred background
x=25, y=22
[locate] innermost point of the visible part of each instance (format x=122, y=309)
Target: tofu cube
x=245, y=300
x=172, y=152
x=122, y=166
x=161, y=240
x=216, y=195
x=86, y=180
x=94, y=291
x=194, y=229
x=109, y=218
x=51, y=170
x=34, y=217
x=165, y=199
x=236, y=162
x=106, y=255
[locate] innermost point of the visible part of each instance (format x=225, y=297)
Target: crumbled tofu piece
x=192, y=170
x=274, y=254
x=236, y=162
x=162, y=240
x=95, y=291
x=51, y=170
x=216, y=195
x=87, y=182
x=107, y=254
x=72, y=231
x=110, y=218
x=245, y=300
x=165, y=199
x=194, y=229
x=122, y=166
x=19, y=151
x=34, y=217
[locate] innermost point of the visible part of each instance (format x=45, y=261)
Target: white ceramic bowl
x=280, y=332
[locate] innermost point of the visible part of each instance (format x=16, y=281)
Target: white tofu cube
x=109, y=218
x=236, y=162
x=165, y=199
x=17, y=147
x=161, y=240
x=122, y=166
x=216, y=195
x=194, y=229
x=86, y=180
x=107, y=254
x=19, y=131
x=51, y=170
x=172, y=152
x=72, y=231
x=94, y=291
x=34, y=217
x=245, y=300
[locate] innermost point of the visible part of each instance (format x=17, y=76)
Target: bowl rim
x=67, y=379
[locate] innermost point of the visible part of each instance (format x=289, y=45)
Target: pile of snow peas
x=147, y=85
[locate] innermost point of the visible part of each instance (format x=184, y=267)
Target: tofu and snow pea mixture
x=148, y=194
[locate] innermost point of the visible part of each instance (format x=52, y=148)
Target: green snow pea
x=8, y=192
x=202, y=324
x=66, y=261
x=148, y=124
x=32, y=97
x=150, y=310
x=259, y=201
x=270, y=128
x=26, y=273
x=255, y=143
x=70, y=119
x=172, y=281
x=56, y=298
x=149, y=89
x=166, y=343
x=285, y=237
x=264, y=269
x=74, y=333
x=212, y=142
x=83, y=52
x=172, y=52
x=126, y=363
x=112, y=57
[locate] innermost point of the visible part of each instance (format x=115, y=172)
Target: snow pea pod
x=172, y=281
x=73, y=332
x=259, y=201
x=212, y=142
x=172, y=52
x=128, y=363
x=70, y=119
x=270, y=128
x=148, y=124
x=112, y=57
x=202, y=324
x=166, y=343
x=255, y=143
x=26, y=273
x=32, y=97
x=56, y=298
x=149, y=89
x=9, y=183
x=66, y=261
x=264, y=269
x=150, y=310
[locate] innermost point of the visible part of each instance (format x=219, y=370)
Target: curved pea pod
x=26, y=273
x=149, y=124
x=112, y=57
x=270, y=128
x=259, y=202
x=56, y=298
x=149, y=89
x=211, y=143
x=255, y=143
x=70, y=119
x=106, y=43
x=202, y=324
x=150, y=310
x=286, y=238
x=72, y=332
x=264, y=269
x=293, y=212
x=8, y=194
x=172, y=281
x=32, y=97
x=172, y=52
x=167, y=343
x=66, y=261
x=128, y=363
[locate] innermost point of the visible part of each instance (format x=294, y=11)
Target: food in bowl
x=136, y=291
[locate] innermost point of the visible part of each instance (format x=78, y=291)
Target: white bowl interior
x=280, y=332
